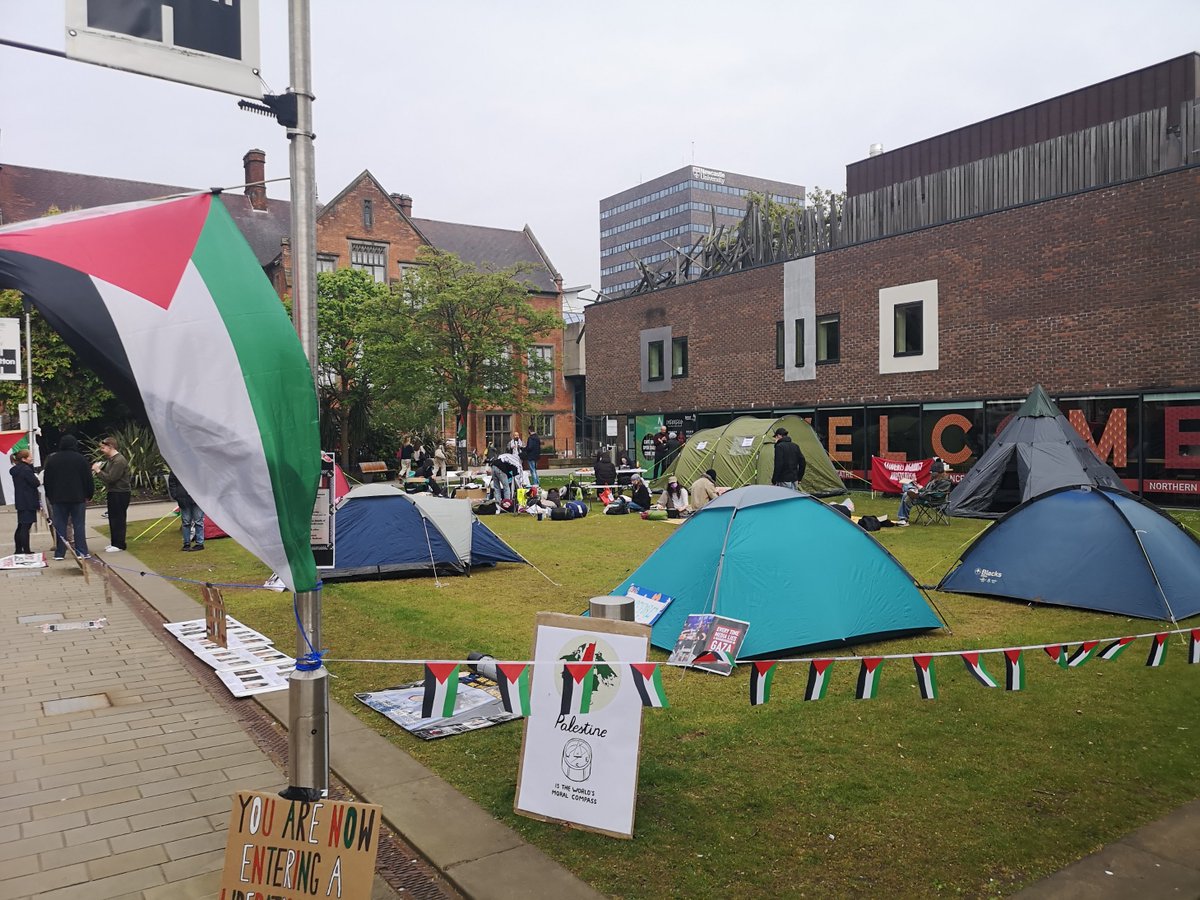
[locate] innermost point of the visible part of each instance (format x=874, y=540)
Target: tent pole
x=1158, y=584
x=721, y=560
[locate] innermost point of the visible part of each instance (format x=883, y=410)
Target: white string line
x=804, y=659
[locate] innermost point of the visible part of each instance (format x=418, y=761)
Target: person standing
x=191, y=517
x=114, y=474
x=789, y=461
x=439, y=461
x=25, y=497
x=533, y=450
x=660, y=452
x=69, y=485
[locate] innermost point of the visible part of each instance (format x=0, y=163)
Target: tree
x=347, y=301
x=470, y=331
x=66, y=392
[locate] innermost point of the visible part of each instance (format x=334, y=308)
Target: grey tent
x=1038, y=451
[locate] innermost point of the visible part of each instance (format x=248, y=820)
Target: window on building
x=326, y=263
x=543, y=424
x=909, y=329
x=679, y=357
x=371, y=258
x=780, y=346
x=497, y=430
x=368, y=214
x=799, y=343
x=829, y=330
x=497, y=373
x=654, y=361
x=540, y=374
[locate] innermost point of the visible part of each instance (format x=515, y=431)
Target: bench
x=373, y=468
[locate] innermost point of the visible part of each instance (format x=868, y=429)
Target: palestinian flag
x=514, y=687
x=579, y=681
x=648, y=680
x=1014, y=670
x=1194, y=647
x=1158, y=651
x=868, y=678
x=1058, y=653
x=167, y=303
x=10, y=443
x=720, y=657
x=975, y=666
x=761, y=675
x=441, y=689
x=926, y=680
x=1082, y=654
x=818, y=679
x=1115, y=649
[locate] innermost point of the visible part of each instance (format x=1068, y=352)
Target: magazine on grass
x=648, y=606
x=705, y=633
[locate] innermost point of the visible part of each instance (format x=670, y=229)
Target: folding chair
x=930, y=508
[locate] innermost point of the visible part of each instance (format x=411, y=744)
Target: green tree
x=347, y=300
x=65, y=391
x=456, y=332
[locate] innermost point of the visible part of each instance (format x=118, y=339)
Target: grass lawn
x=975, y=794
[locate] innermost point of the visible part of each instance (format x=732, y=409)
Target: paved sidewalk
x=131, y=799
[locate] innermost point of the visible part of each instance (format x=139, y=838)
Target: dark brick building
x=922, y=342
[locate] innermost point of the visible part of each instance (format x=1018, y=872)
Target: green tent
x=743, y=452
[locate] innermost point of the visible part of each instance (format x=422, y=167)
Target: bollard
x=308, y=734
x=618, y=608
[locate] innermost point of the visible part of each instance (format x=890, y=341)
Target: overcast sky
x=508, y=113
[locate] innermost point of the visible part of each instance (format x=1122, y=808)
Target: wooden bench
x=379, y=467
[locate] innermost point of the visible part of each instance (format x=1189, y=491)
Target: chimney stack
x=255, y=165
x=404, y=202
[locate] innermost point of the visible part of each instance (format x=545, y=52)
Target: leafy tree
x=456, y=332
x=65, y=391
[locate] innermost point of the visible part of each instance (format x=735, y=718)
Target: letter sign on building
x=208, y=43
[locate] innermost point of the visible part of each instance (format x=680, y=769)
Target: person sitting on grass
x=704, y=490
x=674, y=499
x=639, y=500
x=938, y=482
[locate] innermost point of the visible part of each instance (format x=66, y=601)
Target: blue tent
x=1090, y=547
x=801, y=573
x=379, y=529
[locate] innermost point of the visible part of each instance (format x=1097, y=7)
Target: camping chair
x=930, y=508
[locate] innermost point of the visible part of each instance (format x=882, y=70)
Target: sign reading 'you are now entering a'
x=290, y=848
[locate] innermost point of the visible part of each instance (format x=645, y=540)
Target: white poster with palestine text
x=579, y=757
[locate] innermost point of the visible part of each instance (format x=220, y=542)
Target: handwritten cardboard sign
x=290, y=848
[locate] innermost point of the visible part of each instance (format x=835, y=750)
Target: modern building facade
x=653, y=219
x=1069, y=261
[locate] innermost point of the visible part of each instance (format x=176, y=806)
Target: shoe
x=60, y=558
x=196, y=547
x=113, y=549
x=85, y=556
x=186, y=547
x=104, y=515
x=903, y=523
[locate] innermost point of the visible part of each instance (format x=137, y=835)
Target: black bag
x=869, y=523
x=484, y=508
x=562, y=514
x=617, y=509
x=552, y=496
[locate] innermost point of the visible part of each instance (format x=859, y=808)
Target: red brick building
x=921, y=342
x=363, y=227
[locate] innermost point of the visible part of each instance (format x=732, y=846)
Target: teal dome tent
x=802, y=574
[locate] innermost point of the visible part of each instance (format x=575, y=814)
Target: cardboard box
x=470, y=494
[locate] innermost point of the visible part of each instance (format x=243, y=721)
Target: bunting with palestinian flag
x=1115, y=649
x=514, y=687
x=818, y=679
x=647, y=679
x=1194, y=647
x=578, y=685
x=975, y=666
x=1158, y=651
x=441, y=690
x=167, y=303
x=868, y=678
x=1014, y=670
x=762, y=673
x=1058, y=653
x=926, y=680
x=1082, y=654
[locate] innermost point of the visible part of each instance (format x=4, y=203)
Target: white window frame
x=926, y=293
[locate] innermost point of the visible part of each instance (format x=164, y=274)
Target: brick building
x=921, y=342
x=363, y=227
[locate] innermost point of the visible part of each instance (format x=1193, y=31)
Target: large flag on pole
x=167, y=303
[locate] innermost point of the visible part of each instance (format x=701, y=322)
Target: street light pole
x=308, y=687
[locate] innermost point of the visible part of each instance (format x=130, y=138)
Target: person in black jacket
x=533, y=450
x=789, y=461
x=606, y=472
x=67, y=477
x=640, y=499
x=25, y=498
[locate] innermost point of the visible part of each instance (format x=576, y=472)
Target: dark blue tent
x=1089, y=547
x=379, y=529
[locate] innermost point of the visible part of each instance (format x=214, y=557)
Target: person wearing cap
x=938, y=482
x=703, y=490
x=674, y=499
x=789, y=461
x=639, y=500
